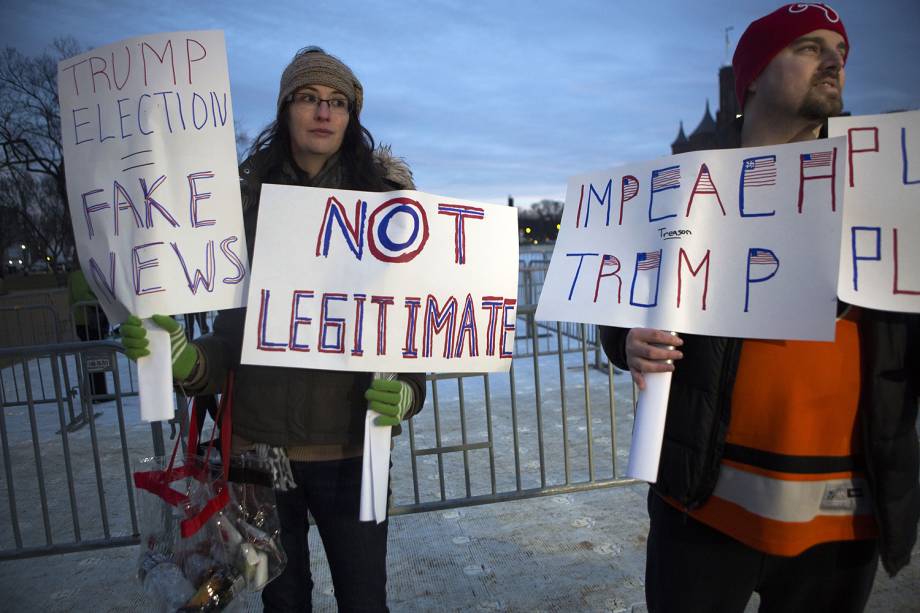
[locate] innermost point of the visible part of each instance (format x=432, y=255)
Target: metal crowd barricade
x=558, y=422
x=32, y=324
x=540, y=430
x=531, y=276
x=89, y=323
x=36, y=325
x=66, y=491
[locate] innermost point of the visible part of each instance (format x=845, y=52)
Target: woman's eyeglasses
x=337, y=105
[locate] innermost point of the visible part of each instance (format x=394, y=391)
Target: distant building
x=720, y=132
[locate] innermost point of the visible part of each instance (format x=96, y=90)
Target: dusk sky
x=487, y=99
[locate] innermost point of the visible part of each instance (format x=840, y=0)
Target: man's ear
x=752, y=87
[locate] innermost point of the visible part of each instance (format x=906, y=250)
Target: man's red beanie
x=770, y=34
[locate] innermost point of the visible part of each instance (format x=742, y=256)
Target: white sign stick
x=375, y=469
x=648, y=428
x=154, y=376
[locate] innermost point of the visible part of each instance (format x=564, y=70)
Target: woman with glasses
x=309, y=422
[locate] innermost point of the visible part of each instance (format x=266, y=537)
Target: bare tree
x=30, y=137
x=243, y=141
x=34, y=204
x=540, y=223
x=10, y=228
x=548, y=210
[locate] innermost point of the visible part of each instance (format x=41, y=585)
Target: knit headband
x=313, y=66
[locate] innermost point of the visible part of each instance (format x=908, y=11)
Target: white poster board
x=879, y=250
x=152, y=181
x=393, y=282
x=741, y=242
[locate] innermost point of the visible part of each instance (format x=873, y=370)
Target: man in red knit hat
x=788, y=467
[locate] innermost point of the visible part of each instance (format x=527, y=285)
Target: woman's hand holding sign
x=391, y=399
x=134, y=339
x=650, y=350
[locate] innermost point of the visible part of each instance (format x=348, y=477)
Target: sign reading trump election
x=395, y=282
x=152, y=182
x=741, y=242
x=879, y=252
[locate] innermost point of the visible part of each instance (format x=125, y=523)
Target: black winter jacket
x=699, y=410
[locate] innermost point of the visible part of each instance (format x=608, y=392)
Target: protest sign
x=394, y=282
x=739, y=242
x=879, y=253
x=149, y=147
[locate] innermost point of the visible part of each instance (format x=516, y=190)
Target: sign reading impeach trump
x=879, y=251
x=395, y=282
x=147, y=132
x=739, y=242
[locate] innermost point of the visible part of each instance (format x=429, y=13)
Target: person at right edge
x=788, y=467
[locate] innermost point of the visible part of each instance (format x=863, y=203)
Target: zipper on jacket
x=729, y=369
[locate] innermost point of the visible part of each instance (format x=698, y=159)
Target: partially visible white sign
x=879, y=251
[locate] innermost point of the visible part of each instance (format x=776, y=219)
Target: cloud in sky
x=487, y=99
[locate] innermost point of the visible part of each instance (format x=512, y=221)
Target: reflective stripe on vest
x=792, y=501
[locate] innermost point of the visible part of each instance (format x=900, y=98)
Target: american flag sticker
x=822, y=159
x=820, y=166
x=758, y=257
x=610, y=266
x=759, y=171
x=762, y=256
x=756, y=172
x=630, y=188
x=648, y=261
x=611, y=261
x=665, y=178
x=704, y=185
x=645, y=282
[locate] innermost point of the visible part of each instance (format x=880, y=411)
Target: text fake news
x=146, y=254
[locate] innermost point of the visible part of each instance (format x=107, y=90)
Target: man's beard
x=819, y=106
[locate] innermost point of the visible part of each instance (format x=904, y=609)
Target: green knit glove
x=134, y=339
x=391, y=398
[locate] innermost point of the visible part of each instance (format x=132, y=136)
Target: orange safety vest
x=791, y=476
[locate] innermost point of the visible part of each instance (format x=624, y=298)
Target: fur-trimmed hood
x=395, y=169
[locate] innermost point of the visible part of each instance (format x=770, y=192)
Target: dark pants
x=190, y=320
x=691, y=567
x=356, y=550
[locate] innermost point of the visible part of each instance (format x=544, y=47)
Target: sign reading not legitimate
x=396, y=282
